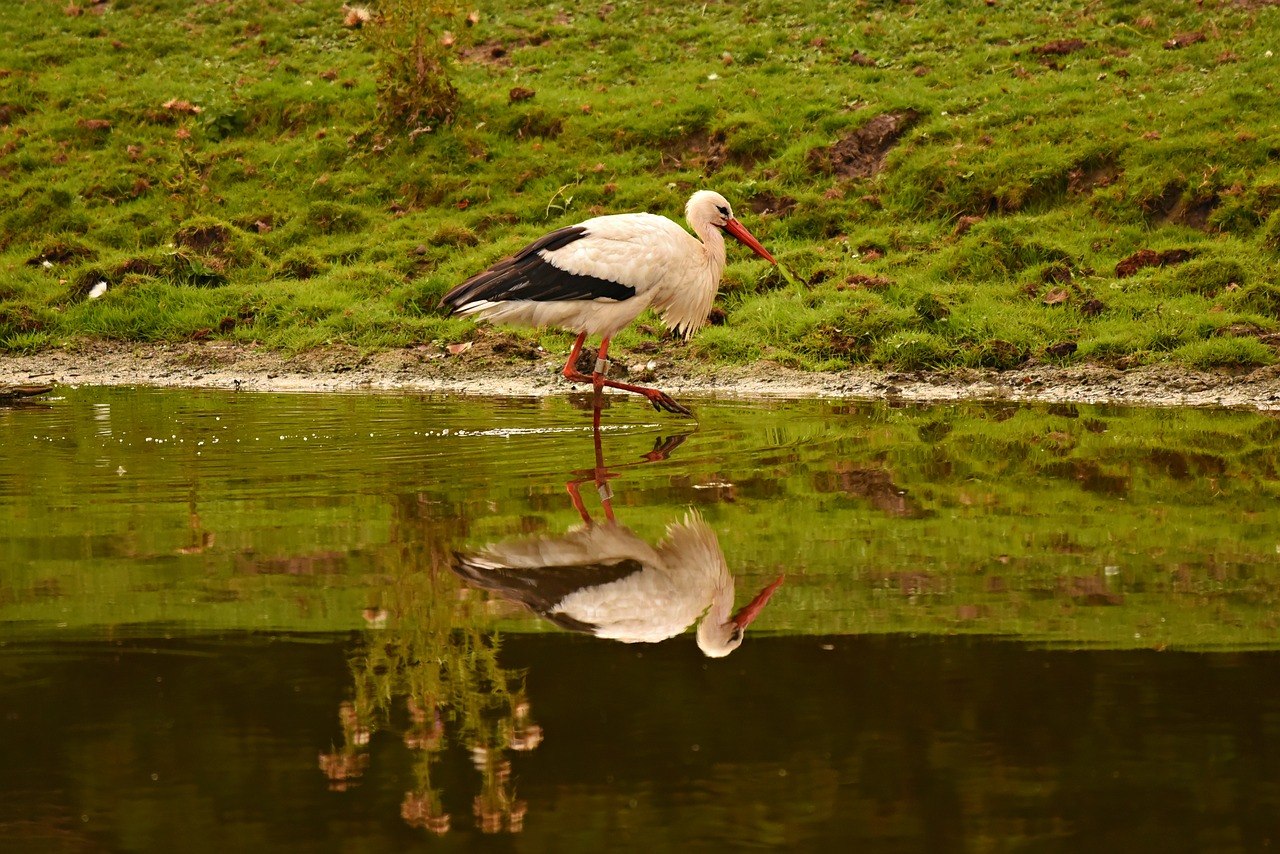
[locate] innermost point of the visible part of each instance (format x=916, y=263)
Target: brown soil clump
x=1150, y=258
x=1182, y=40
x=1086, y=179
x=1060, y=47
x=862, y=153
x=705, y=152
x=768, y=203
x=208, y=238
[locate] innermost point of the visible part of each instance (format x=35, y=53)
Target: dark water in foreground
x=885, y=743
x=241, y=622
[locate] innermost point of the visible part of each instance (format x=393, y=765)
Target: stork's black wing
x=527, y=275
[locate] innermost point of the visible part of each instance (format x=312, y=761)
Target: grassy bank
x=960, y=184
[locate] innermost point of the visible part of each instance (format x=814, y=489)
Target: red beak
x=752, y=609
x=739, y=231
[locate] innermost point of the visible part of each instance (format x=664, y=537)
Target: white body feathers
x=669, y=270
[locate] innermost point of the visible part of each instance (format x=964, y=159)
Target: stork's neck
x=713, y=245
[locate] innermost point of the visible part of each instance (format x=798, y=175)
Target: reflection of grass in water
x=975, y=518
x=433, y=662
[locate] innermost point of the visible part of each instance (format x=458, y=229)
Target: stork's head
x=706, y=208
x=718, y=637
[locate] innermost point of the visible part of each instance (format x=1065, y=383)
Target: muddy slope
x=219, y=365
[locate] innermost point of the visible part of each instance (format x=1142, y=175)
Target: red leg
x=571, y=371
x=602, y=365
x=659, y=399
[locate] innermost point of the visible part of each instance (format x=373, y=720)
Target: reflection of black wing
x=542, y=588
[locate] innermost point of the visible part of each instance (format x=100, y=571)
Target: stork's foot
x=660, y=399
x=663, y=401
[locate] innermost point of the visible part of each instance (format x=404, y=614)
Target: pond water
x=389, y=622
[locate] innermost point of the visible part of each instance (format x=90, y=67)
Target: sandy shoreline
x=222, y=365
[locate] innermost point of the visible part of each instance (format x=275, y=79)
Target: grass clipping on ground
x=977, y=186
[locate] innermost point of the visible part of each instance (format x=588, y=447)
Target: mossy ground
x=220, y=166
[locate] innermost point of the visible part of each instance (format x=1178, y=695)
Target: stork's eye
x=736, y=635
x=724, y=211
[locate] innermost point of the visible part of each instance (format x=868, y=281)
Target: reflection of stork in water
x=602, y=579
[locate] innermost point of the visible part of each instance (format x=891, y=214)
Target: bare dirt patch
x=1182, y=40
x=61, y=252
x=1150, y=258
x=1059, y=47
x=768, y=203
x=489, y=53
x=862, y=153
x=701, y=151
x=208, y=238
x=1086, y=179
x=1193, y=212
x=217, y=364
x=1175, y=205
x=855, y=281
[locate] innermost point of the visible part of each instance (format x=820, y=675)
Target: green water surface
x=232, y=620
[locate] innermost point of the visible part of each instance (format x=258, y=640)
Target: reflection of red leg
x=663, y=448
x=595, y=429
x=598, y=475
x=659, y=399
x=576, y=498
x=602, y=475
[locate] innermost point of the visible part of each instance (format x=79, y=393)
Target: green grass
x=282, y=213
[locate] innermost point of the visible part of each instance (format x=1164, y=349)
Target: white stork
x=596, y=277
x=604, y=580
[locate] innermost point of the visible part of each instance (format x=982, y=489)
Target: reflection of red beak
x=739, y=231
x=752, y=609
